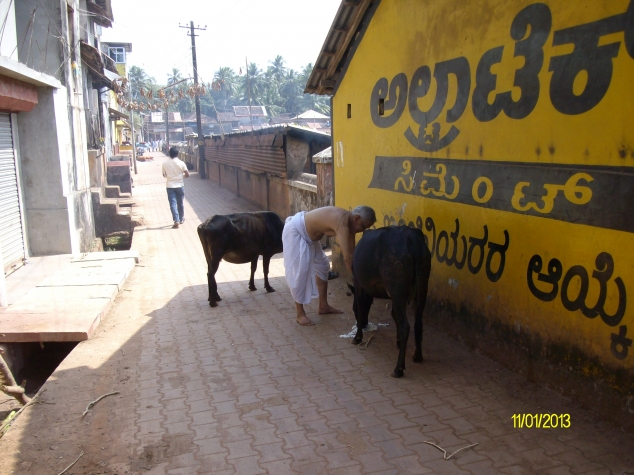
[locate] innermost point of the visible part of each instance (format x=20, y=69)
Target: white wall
x=9, y=40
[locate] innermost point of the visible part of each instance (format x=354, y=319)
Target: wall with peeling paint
x=503, y=130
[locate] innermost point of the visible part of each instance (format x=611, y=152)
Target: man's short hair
x=173, y=152
x=366, y=213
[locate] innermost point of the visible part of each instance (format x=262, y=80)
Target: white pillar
x=4, y=298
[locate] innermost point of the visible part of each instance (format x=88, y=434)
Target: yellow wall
x=552, y=171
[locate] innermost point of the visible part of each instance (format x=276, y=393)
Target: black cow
x=392, y=262
x=240, y=238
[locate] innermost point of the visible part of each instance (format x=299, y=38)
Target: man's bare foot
x=328, y=309
x=304, y=321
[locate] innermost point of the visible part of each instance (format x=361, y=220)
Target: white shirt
x=173, y=170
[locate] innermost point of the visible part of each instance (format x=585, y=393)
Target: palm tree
x=314, y=102
x=290, y=90
x=138, y=80
x=252, y=85
x=224, y=84
x=277, y=70
x=272, y=99
x=174, y=76
x=305, y=74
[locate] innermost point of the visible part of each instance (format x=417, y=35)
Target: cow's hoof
x=216, y=298
x=418, y=358
x=212, y=303
x=252, y=288
x=270, y=289
x=355, y=341
x=398, y=373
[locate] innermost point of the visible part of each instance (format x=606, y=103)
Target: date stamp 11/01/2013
x=541, y=421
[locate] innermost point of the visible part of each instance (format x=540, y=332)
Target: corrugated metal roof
x=257, y=154
x=243, y=111
x=204, y=119
x=259, y=151
x=351, y=18
x=227, y=117
x=278, y=127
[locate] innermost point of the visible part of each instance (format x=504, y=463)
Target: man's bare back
x=324, y=221
x=333, y=221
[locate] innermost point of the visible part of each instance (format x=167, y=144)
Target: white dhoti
x=303, y=259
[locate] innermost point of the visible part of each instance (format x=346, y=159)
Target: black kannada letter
x=442, y=236
x=473, y=243
x=539, y=18
x=396, y=100
x=629, y=29
x=485, y=83
x=621, y=341
x=587, y=56
x=605, y=268
x=555, y=270
x=501, y=249
x=579, y=302
x=454, y=237
x=419, y=87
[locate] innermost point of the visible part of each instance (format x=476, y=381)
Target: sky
x=256, y=29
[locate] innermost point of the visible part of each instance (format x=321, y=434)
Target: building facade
x=52, y=120
x=503, y=131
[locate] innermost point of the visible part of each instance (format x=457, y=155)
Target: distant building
x=242, y=119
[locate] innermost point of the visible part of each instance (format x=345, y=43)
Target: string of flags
x=159, y=100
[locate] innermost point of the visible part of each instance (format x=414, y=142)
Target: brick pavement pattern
x=242, y=389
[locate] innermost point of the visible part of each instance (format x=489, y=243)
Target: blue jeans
x=175, y=197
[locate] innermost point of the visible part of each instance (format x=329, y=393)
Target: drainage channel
x=119, y=241
x=31, y=365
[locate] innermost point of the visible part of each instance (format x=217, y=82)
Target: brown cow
x=240, y=238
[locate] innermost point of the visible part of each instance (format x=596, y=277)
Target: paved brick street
x=243, y=389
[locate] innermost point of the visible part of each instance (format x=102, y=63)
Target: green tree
x=276, y=69
x=224, y=87
x=174, y=76
x=291, y=90
x=139, y=80
x=272, y=100
x=252, y=85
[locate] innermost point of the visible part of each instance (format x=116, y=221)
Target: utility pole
x=132, y=127
x=201, y=137
x=167, y=128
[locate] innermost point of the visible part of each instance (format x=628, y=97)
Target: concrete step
x=111, y=217
x=114, y=191
x=69, y=304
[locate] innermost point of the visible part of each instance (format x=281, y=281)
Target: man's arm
x=346, y=243
x=186, y=173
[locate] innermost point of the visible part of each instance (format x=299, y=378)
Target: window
x=117, y=54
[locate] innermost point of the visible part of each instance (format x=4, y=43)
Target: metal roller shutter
x=11, y=238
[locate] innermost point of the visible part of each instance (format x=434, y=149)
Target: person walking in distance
x=174, y=170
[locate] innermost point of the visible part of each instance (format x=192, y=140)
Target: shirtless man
x=306, y=263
